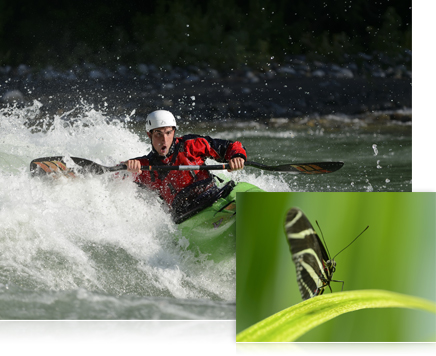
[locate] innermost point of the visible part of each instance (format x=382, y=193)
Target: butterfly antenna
x=322, y=235
x=351, y=242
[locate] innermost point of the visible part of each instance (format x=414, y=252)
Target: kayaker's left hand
x=236, y=164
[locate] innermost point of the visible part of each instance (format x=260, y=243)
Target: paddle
x=58, y=164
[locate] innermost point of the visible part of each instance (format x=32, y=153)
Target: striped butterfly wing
x=308, y=254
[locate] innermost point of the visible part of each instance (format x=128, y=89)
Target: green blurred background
x=396, y=253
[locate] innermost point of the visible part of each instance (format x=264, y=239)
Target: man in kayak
x=186, y=192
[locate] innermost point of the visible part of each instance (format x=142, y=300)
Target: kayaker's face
x=162, y=139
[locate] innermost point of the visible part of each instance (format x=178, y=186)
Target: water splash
x=369, y=187
x=95, y=233
x=374, y=147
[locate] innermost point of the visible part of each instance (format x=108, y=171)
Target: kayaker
x=186, y=192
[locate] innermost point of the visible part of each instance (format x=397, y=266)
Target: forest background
x=224, y=34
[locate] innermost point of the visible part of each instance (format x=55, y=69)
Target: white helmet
x=159, y=118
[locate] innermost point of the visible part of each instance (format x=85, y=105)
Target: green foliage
x=222, y=33
x=181, y=33
x=389, y=38
x=289, y=324
x=396, y=253
x=328, y=46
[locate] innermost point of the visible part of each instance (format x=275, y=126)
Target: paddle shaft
x=175, y=168
x=55, y=164
x=319, y=167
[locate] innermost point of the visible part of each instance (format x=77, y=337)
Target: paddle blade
x=66, y=166
x=301, y=168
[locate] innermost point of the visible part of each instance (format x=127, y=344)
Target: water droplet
x=374, y=147
x=387, y=180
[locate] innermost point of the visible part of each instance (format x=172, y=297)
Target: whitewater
x=95, y=247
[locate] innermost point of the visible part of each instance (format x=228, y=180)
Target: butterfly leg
x=333, y=280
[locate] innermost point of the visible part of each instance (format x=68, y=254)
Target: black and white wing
x=308, y=254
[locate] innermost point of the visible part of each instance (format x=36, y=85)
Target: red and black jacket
x=183, y=189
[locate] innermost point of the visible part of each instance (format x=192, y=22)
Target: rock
x=343, y=73
x=212, y=73
x=278, y=122
x=5, y=69
x=403, y=116
x=152, y=68
x=378, y=74
x=269, y=74
x=13, y=96
x=70, y=75
x=290, y=89
x=277, y=109
x=194, y=69
x=50, y=73
x=122, y=70
x=353, y=67
x=192, y=78
x=318, y=73
x=96, y=74
x=252, y=78
x=303, y=69
x=23, y=70
x=364, y=56
x=167, y=86
x=287, y=71
x=143, y=68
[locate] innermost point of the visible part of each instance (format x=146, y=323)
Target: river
x=98, y=248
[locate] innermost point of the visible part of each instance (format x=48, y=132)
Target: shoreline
x=265, y=97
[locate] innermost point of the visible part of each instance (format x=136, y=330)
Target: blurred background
x=223, y=33
x=250, y=59
x=396, y=253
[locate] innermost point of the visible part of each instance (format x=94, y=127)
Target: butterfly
x=312, y=260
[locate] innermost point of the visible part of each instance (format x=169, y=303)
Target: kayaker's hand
x=134, y=166
x=236, y=164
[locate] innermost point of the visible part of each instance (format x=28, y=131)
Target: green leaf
x=289, y=324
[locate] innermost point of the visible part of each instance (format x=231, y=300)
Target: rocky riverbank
x=295, y=91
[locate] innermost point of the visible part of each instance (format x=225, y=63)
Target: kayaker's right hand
x=134, y=166
x=236, y=164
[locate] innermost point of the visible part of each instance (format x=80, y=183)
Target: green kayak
x=212, y=231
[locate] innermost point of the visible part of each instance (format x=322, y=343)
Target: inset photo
x=335, y=267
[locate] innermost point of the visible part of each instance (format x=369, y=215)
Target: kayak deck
x=213, y=230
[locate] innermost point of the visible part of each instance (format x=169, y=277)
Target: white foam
x=92, y=232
